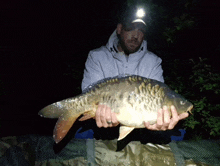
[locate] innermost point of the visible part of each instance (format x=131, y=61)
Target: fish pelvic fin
x=124, y=131
x=64, y=124
x=87, y=115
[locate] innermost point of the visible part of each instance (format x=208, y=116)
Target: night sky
x=44, y=46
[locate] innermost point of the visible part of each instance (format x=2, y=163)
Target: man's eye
x=128, y=29
x=143, y=30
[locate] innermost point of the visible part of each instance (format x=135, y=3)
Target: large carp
x=133, y=99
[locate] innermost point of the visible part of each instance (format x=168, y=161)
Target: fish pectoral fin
x=87, y=115
x=124, y=131
x=63, y=125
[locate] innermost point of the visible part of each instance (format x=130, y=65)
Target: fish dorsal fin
x=63, y=125
x=124, y=131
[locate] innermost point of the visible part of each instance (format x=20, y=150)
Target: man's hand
x=164, y=122
x=104, y=117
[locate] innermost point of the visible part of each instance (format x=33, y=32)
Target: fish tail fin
x=57, y=109
x=68, y=111
x=64, y=124
x=54, y=110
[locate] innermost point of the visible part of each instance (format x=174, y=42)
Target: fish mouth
x=190, y=109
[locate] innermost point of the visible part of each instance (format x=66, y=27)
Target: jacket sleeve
x=157, y=71
x=93, y=71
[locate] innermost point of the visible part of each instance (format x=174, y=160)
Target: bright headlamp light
x=140, y=14
x=133, y=15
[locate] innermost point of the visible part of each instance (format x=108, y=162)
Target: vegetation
x=200, y=84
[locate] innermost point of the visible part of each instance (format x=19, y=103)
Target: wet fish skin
x=134, y=99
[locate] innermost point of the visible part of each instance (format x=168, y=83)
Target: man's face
x=131, y=38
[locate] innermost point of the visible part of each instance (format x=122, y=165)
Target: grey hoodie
x=107, y=61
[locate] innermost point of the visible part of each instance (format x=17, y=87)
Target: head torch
x=134, y=18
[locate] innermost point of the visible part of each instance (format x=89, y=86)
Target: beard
x=130, y=47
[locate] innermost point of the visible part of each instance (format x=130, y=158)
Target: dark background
x=44, y=46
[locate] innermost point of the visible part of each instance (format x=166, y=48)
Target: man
x=126, y=54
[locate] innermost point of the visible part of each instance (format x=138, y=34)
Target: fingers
x=150, y=127
x=114, y=119
x=183, y=115
x=159, y=119
x=104, y=115
x=175, y=118
x=165, y=120
x=98, y=116
x=108, y=117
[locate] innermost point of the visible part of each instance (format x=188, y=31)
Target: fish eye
x=182, y=102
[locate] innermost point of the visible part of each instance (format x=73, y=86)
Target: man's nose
x=135, y=34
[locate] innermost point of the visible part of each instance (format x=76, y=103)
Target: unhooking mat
x=39, y=151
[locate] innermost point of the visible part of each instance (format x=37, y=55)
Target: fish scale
x=133, y=99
